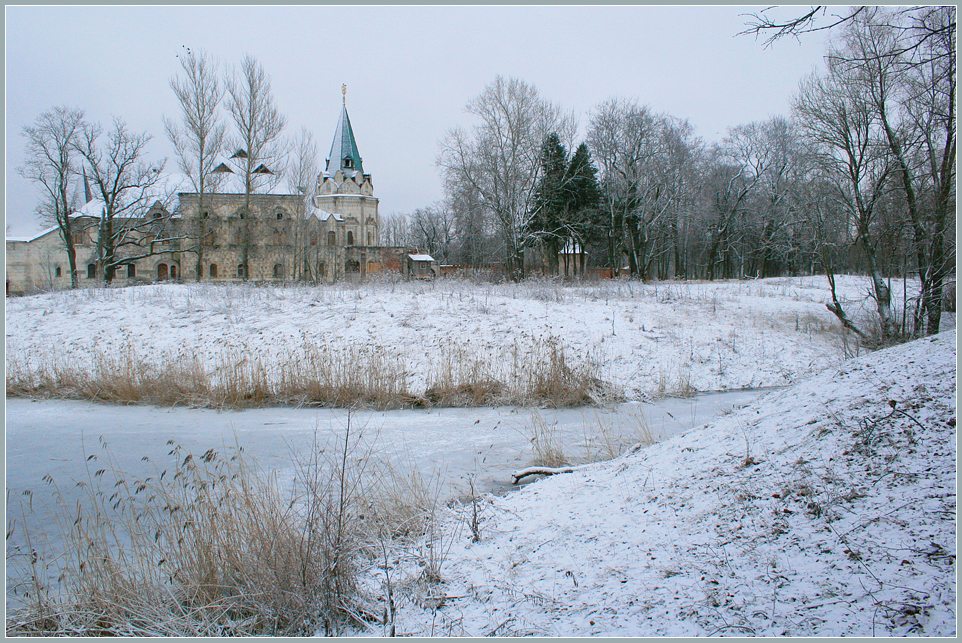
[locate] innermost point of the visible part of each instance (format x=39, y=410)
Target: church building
x=330, y=235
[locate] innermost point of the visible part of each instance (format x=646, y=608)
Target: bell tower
x=344, y=189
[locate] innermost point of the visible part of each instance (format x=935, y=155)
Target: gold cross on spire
x=344, y=93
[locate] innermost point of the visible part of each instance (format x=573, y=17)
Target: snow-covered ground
x=51, y=439
x=827, y=508
x=646, y=339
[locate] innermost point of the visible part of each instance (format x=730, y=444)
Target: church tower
x=344, y=190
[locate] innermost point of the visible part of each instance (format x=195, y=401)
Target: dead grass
x=209, y=546
x=678, y=386
x=536, y=374
x=603, y=442
x=546, y=447
x=313, y=376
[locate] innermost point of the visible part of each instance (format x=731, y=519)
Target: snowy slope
x=818, y=510
x=647, y=339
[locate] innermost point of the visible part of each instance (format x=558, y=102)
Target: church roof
x=343, y=155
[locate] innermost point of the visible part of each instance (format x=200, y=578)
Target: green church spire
x=344, y=155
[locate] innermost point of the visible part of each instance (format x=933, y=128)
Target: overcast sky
x=410, y=72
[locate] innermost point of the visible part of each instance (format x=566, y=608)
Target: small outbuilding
x=420, y=266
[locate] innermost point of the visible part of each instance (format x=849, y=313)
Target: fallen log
x=539, y=471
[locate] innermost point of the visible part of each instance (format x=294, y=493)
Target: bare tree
x=499, y=158
x=815, y=18
x=432, y=229
x=915, y=104
x=258, y=126
x=304, y=164
x=199, y=137
x=51, y=164
x=843, y=128
x=125, y=183
x=641, y=156
x=913, y=25
x=396, y=230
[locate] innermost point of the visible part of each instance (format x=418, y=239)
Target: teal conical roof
x=343, y=155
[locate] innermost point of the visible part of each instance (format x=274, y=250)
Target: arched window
x=350, y=238
x=91, y=271
x=131, y=271
x=370, y=238
x=278, y=271
x=348, y=162
x=331, y=238
x=213, y=271
x=173, y=272
x=162, y=272
x=241, y=270
x=58, y=271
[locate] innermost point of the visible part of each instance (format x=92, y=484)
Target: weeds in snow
x=210, y=545
x=539, y=373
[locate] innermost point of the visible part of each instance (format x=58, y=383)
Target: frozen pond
x=53, y=437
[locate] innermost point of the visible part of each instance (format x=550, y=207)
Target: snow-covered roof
x=93, y=208
x=420, y=257
x=324, y=215
x=42, y=233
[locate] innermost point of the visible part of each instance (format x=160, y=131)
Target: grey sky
x=410, y=71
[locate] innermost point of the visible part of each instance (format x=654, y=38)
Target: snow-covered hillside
x=647, y=340
x=827, y=508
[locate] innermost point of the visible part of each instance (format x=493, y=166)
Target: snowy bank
x=646, y=340
x=825, y=509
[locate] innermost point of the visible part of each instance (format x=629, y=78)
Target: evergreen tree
x=583, y=194
x=552, y=199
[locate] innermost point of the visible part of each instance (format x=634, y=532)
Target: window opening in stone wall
x=350, y=238
x=173, y=272
x=162, y=272
x=370, y=239
x=331, y=238
x=278, y=271
x=241, y=271
x=58, y=271
x=205, y=214
x=131, y=271
x=91, y=271
x=313, y=238
x=352, y=266
x=213, y=271
x=280, y=215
